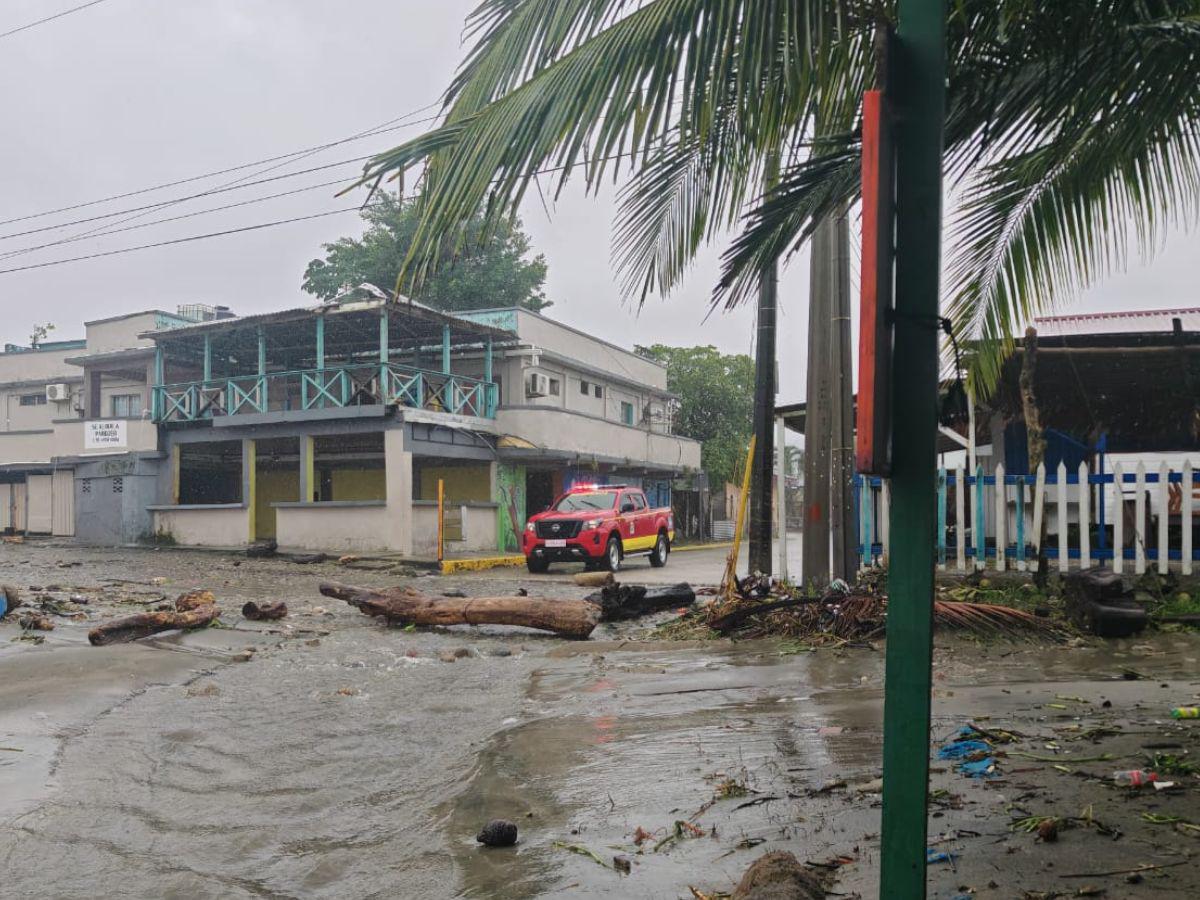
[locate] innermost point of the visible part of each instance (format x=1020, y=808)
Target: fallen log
x=142, y=625
x=736, y=617
x=594, y=579
x=628, y=601
x=194, y=600
x=404, y=606
x=266, y=612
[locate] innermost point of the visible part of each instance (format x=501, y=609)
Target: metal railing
x=329, y=388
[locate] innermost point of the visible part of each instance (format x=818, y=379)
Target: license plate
x=558, y=542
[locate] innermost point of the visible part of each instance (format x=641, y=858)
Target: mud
x=328, y=756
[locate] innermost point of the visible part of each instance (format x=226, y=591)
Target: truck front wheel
x=537, y=566
x=612, y=555
x=662, y=548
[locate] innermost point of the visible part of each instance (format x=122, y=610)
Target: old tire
x=537, y=566
x=662, y=549
x=612, y=555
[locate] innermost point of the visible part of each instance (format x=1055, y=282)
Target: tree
x=493, y=271
x=39, y=334
x=1070, y=127
x=715, y=393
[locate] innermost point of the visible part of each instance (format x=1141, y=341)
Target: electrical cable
x=381, y=129
x=182, y=240
x=65, y=12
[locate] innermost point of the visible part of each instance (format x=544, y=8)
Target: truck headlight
x=529, y=526
x=590, y=524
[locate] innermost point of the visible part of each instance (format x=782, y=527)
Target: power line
x=177, y=200
x=372, y=132
x=182, y=240
x=66, y=12
x=191, y=215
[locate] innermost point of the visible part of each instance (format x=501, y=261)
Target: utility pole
x=917, y=82
x=764, y=405
x=817, y=417
x=841, y=457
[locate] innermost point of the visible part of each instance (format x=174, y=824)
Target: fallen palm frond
x=988, y=618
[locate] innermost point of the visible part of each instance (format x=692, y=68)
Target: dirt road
x=328, y=756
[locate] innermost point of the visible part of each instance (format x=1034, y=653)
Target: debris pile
x=758, y=606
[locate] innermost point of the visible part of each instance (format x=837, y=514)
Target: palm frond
x=1039, y=225
x=808, y=191
x=605, y=104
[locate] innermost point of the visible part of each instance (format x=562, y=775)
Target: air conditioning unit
x=537, y=385
x=59, y=393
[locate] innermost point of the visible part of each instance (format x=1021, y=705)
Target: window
x=583, y=388
x=126, y=406
x=33, y=399
x=599, y=393
x=554, y=387
x=626, y=413
x=639, y=500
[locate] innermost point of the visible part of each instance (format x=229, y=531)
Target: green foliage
x=494, y=270
x=1072, y=132
x=39, y=334
x=716, y=395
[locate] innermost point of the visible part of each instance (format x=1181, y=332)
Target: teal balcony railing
x=328, y=388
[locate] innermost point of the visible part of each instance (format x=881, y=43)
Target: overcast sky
x=132, y=93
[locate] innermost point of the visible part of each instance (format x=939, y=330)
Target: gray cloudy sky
x=131, y=93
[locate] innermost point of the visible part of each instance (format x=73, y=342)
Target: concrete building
x=326, y=427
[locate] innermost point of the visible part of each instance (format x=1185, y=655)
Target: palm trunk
x=1035, y=438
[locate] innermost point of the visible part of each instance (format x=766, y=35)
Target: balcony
x=332, y=387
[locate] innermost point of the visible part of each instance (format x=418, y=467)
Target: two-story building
x=330, y=427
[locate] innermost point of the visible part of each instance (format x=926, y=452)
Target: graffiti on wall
x=510, y=491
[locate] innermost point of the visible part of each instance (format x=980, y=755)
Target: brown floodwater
x=344, y=759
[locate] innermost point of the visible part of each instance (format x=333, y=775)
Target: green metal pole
x=445, y=349
x=917, y=84
x=320, y=342
x=487, y=360
x=207, y=359
x=383, y=336
x=262, y=351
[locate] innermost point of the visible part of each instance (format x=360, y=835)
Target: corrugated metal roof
x=1138, y=321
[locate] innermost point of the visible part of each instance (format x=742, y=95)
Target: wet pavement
x=329, y=756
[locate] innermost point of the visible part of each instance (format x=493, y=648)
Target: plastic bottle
x=1186, y=712
x=1135, y=777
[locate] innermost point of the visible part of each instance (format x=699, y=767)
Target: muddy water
x=335, y=764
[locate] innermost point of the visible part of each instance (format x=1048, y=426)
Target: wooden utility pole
x=917, y=83
x=817, y=417
x=841, y=456
x=764, y=405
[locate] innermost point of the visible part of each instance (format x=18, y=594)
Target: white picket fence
x=1126, y=520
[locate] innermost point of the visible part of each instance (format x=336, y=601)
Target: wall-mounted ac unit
x=59, y=393
x=537, y=385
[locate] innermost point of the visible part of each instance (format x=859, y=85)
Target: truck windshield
x=580, y=502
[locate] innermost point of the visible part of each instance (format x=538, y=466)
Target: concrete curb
x=480, y=563
x=724, y=545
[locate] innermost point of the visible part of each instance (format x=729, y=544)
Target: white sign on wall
x=104, y=435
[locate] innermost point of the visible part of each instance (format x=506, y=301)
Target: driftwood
x=264, y=612
x=143, y=625
x=594, y=579
x=628, y=601
x=193, y=609
x=568, y=618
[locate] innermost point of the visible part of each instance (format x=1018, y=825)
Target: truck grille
x=565, y=528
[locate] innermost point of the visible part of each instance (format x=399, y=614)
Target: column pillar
x=320, y=342
x=159, y=378
x=399, y=491
x=262, y=351
x=207, y=359
x=383, y=336
x=308, y=470
x=446, y=349
x=175, y=452
x=249, y=467
x=94, y=399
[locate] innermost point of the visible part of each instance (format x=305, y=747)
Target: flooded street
x=329, y=756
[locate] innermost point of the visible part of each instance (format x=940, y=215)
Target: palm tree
x=1071, y=129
